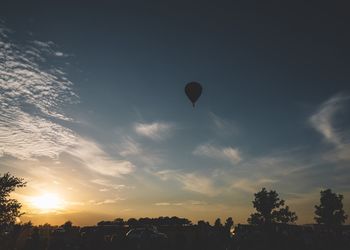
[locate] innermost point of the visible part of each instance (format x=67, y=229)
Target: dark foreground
x=244, y=237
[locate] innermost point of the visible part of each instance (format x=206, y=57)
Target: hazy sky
x=93, y=110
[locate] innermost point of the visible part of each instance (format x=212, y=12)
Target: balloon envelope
x=193, y=91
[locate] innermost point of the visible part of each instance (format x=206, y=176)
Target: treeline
x=160, y=221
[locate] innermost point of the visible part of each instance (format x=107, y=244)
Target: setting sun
x=47, y=202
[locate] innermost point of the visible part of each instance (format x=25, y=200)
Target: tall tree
x=218, y=223
x=9, y=208
x=229, y=223
x=270, y=209
x=330, y=211
x=68, y=225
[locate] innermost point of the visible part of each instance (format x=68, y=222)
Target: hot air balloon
x=193, y=91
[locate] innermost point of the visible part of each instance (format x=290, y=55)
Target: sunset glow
x=47, y=202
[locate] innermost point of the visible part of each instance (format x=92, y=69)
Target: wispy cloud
x=31, y=109
x=109, y=184
x=194, y=182
x=168, y=204
x=108, y=201
x=251, y=186
x=105, y=201
x=155, y=131
x=90, y=154
x=30, y=100
x=129, y=147
x=197, y=183
x=133, y=150
x=48, y=47
x=25, y=136
x=280, y=170
x=183, y=203
x=323, y=121
x=223, y=126
x=25, y=85
x=230, y=154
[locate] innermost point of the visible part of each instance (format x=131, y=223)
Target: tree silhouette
x=203, y=224
x=270, y=209
x=119, y=222
x=217, y=223
x=67, y=226
x=284, y=215
x=132, y=222
x=229, y=223
x=330, y=211
x=9, y=208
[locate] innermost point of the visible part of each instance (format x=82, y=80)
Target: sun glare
x=47, y=202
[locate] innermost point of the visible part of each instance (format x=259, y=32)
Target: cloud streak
x=109, y=185
x=133, y=150
x=107, y=201
x=230, y=154
x=184, y=203
x=168, y=204
x=91, y=155
x=323, y=119
x=223, y=126
x=193, y=182
x=155, y=131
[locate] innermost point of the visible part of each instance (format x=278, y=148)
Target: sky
x=94, y=117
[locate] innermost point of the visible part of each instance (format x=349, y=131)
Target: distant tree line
x=160, y=221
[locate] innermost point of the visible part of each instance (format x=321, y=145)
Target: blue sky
x=93, y=106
